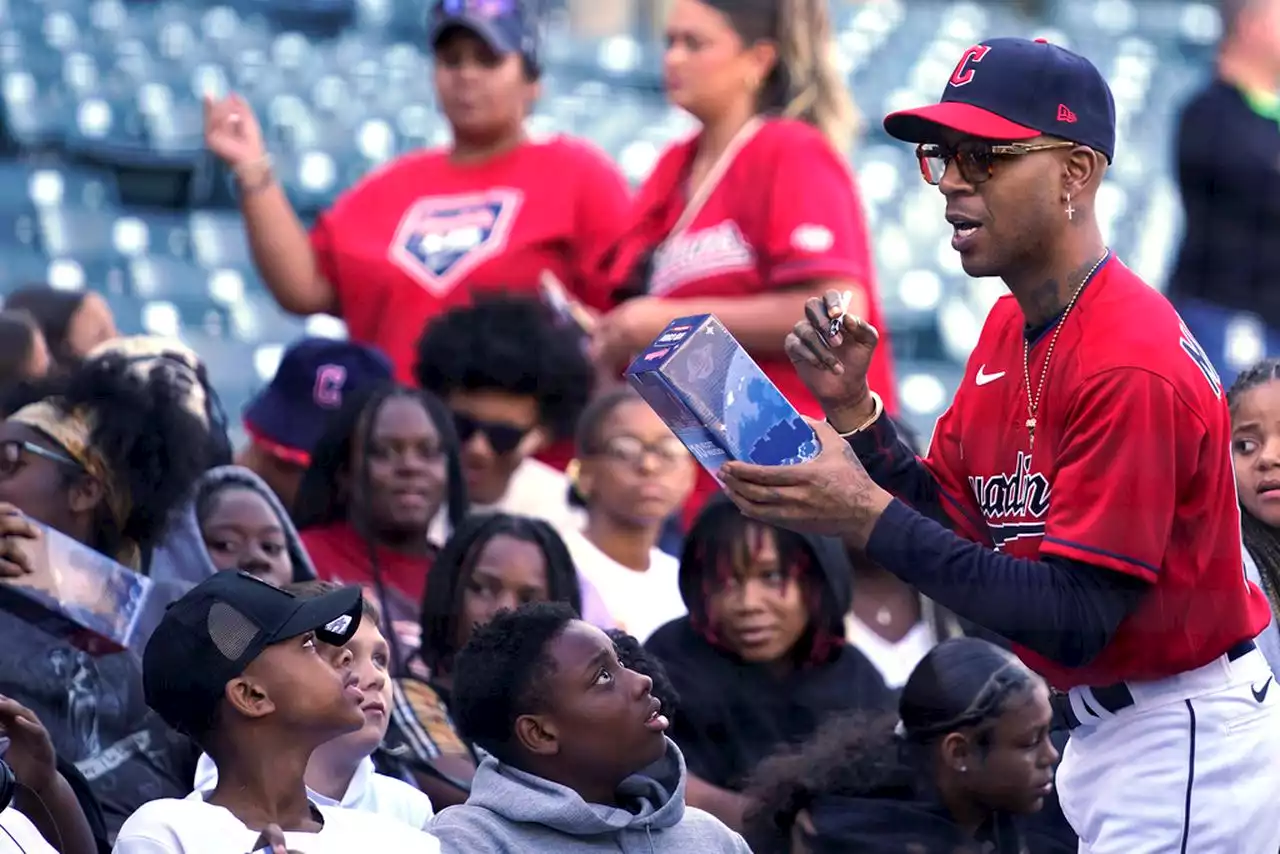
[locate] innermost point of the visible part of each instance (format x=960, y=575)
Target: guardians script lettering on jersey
x=701, y=254
x=1013, y=503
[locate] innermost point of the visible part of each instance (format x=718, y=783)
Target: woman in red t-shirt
x=758, y=211
x=492, y=211
x=379, y=475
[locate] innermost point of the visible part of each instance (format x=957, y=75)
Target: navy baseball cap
x=210, y=635
x=288, y=417
x=501, y=24
x=1015, y=89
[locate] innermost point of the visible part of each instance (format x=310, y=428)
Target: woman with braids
x=971, y=753
x=761, y=659
x=384, y=467
x=759, y=210
x=106, y=458
x=1255, y=446
x=491, y=562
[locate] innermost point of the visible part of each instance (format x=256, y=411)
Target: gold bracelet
x=877, y=409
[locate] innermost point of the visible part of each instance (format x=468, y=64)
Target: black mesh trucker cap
x=210, y=635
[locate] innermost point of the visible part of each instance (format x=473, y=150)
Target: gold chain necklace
x=1033, y=403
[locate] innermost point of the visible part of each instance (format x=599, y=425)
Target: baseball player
x=1078, y=498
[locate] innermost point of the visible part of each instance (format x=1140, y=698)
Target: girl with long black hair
x=385, y=466
x=970, y=752
x=493, y=561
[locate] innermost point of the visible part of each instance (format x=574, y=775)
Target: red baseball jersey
x=786, y=213
x=1131, y=471
x=424, y=233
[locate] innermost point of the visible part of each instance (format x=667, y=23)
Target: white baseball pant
x=1191, y=767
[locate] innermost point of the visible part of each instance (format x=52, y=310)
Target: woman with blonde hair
x=758, y=210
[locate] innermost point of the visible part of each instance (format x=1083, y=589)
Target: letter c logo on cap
x=328, y=389
x=964, y=73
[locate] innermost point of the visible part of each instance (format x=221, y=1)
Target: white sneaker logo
x=983, y=377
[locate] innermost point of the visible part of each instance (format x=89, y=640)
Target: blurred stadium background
x=107, y=187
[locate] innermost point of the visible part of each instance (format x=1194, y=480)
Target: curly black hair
x=451, y=573
x=501, y=674
x=961, y=683
x=633, y=656
x=320, y=502
x=1260, y=539
x=508, y=344
x=155, y=447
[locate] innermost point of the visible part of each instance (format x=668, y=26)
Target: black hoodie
x=732, y=713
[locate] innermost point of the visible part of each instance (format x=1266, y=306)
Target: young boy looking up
x=237, y=665
x=577, y=758
x=341, y=772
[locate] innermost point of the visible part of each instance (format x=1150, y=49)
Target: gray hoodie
x=181, y=560
x=512, y=811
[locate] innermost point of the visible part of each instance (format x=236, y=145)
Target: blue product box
x=715, y=398
x=79, y=595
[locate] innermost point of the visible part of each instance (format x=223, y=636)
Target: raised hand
x=231, y=131
x=30, y=752
x=834, y=366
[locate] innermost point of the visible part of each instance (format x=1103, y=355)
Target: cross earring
x=1071, y=212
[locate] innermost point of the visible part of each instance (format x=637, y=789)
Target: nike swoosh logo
x=983, y=378
x=1266, y=686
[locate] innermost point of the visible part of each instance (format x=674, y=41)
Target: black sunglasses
x=975, y=158
x=503, y=438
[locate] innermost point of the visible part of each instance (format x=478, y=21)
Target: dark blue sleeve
x=894, y=466
x=1062, y=609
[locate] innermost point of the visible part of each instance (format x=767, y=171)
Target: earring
x=1071, y=212
x=964, y=768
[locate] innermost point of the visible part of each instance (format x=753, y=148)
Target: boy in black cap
x=235, y=664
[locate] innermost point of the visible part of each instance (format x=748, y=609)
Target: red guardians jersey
x=1131, y=472
x=424, y=233
x=785, y=214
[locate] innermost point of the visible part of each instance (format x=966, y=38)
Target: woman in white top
x=631, y=473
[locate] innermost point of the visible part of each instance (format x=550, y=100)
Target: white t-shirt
x=895, y=661
x=192, y=826
x=535, y=490
x=368, y=791
x=20, y=835
x=640, y=602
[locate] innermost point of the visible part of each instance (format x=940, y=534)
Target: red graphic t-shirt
x=425, y=233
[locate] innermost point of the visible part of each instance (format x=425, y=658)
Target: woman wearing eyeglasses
x=632, y=473
x=105, y=459
x=759, y=210
x=424, y=233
